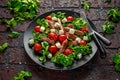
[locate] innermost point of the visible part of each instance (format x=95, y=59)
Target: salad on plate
x=60, y=39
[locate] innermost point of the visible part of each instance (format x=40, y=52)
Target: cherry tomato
x=84, y=29
x=82, y=42
x=53, y=36
x=37, y=28
x=48, y=17
x=37, y=47
x=68, y=51
x=70, y=18
x=53, y=49
x=62, y=37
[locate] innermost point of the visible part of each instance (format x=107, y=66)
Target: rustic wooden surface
x=15, y=59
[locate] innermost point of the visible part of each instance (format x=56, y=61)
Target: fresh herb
x=43, y=22
x=63, y=60
x=14, y=34
x=114, y=15
x=3, y=47
x=78, y=23
x=83, y=49
x=44, y=51
x=116, y=60
x=22, y=10
x=108, y=27
x=59, y=15
x=37, y=38
x=86, y=5
x=108, y=1
x=22, y=75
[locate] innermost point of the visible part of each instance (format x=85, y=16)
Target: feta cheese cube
x=78, y=39
x=58, y=45
x=49, y=55
x=64, y=20
x=85, y=38
x=61, y=32
x=57, y=25
x=71, y=31
x=31, y=41
x=79, y=56
x=52, y=30
x=54, y=18
x=42, y=29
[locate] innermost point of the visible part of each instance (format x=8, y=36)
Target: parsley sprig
x=86, y=5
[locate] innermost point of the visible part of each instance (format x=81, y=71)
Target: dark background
x=15, y=59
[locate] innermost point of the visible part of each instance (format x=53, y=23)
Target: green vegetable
x=59, y=15
x=116, y=60
x=63, y=60
x=86, y=5
x=37, y=38
x=43, y=22
x=22, y=10
x=3, y=47
x=108, y=27
x=78, y=23
x=22, y=75
x=114, y=15
x=44, y=51
x=83, y=49
x=108, y=1
x=14, y=34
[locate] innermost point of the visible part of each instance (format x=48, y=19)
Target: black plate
x=48, y=64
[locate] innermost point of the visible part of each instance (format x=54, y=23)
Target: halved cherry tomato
x=84, y=29
x=53, y=49
x=37, y=47
x=53, y=36
x=48, y=17
x=68, y=51
x=37, y=28
x=82, y=42
x=62, y=37
x=70, y=18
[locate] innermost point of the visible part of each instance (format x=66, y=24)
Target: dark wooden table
x=15, y=59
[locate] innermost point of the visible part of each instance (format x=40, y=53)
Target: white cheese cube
x=54, y=18
x=57, y=25
x=49, y=55
x=61, y=32
x=52, y=30
x=85, y=38
x=79, y=56
x=58, y=45
x=42, y=29
x=31, y=41
x=64, y=20
x=78, y=39
x=71, y=31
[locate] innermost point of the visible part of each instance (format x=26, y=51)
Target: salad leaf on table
x=116, y=60
x=14, y=34
x=3, y=47
x=108, y=27
x=22, y=75
x=114, y=15
x=86, y=5
x=22, y=10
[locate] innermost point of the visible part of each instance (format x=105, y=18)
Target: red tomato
x=84, y=29
x=53, y=49
x=68, y=51
x=62, y=37
x=53, y=36
x=37, y=28
x=70, y=18
x=83, y=42
x=37, y=47
x=48, y=17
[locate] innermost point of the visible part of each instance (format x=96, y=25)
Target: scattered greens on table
x=22, y=10
x=116, y=60
x=22, y=75
x=108, y=1
x=86, y=5
x=114, y=15
x=3, y=47
x=14, y=34
x=108, y=27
